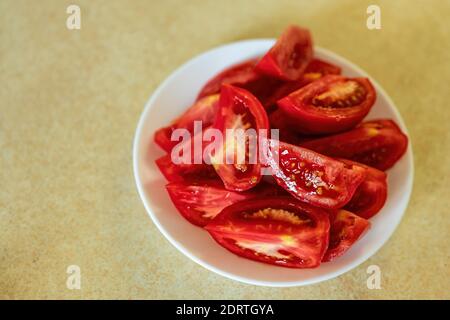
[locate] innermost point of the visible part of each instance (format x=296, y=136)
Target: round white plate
x=177, y=93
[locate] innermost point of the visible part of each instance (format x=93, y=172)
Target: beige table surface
x=70, y=102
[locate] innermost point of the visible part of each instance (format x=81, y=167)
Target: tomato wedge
x=316, y=69
x=239, y=110
x=203, y=110
x=378, y=143
x=346, y=229
x=278, y=120
x=276, y=230
x=239, y=74
x=199, y=201
x=242, y=75
x=331, y=104
x=180, y=170
x=371, y=194
x=289, y=57
x=312, y=177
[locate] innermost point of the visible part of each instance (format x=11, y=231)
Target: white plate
x=173, y=96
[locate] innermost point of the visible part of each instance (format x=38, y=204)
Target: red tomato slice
x=203, y=110
x=182, y=172
x=371, y=194
x=346, y=229
x=242, y=75
x=312, y=177
x=316, y=69
x=199, y=201
x=174, y=171
x=278, y=230
x=289, y=57
x=278, y=120
x=238, y=109
x=331, y=104
x=239, y=74
x=378, y=143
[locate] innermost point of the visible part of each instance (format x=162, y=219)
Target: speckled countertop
x=70, y=102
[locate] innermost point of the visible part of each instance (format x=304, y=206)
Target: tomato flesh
x=331, y=104
x=275, y=230
x=238, y=109
x=346, y=229
x=199, y=201
x=203, y=110
x=371, y=194
x=378, y=143
x=312, y=177
x=289, y=57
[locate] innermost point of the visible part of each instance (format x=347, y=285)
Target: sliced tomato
x=182, y=172
x=378, y=143
x=174, y=166
x=242, y=75
x=289, y=57
x=276, y=230
x=199, y=201
x=315, y=70
x=318, y=68
x=238, y=110
x=239, y=74
x=331, y=104
x=371, y=194
x=278, y=120
x=203, y=110
x=346, y=229
x=312, y=177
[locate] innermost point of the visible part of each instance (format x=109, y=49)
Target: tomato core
x=341, y=95
x=279, y=215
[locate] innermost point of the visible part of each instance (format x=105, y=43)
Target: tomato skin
x=377, y=143
x=289, y=57
x=371, y=194
x=346, y=229
x=199, y=201
x=313, y=119
x=203, y=110
x=296, y=240
x=238, y=106
x=311, y=177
